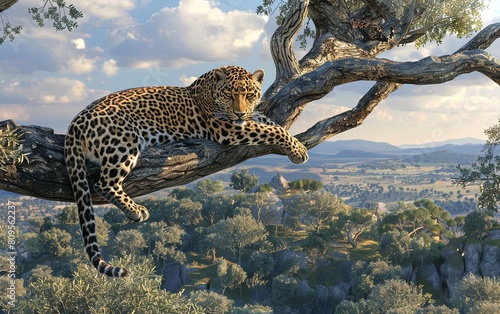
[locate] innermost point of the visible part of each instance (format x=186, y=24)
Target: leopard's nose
x=239, y=114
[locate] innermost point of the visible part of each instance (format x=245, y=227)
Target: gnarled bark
x=340, y=54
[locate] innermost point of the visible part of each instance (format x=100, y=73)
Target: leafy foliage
x=261, y=263
x=56, y=241
x=9, y=32
x=477, y=224
x=61, y=15
x=207, y=186
x=167, y=242
x=432, y=20
x=306, y=185
x=350, y=224
x=88, y=292
x=211, y=302
x=243, y=180
x=269, y=7
x=476, y=294
x=394, y=296
x=253, y=309
x=424, y=247
x=237, y=233
x=129, y=242
x=283, y=288
x=269, y=260
x=230, y=275
x=315, y=209
x=68, y=215
x=485, y=171
x=459, y=17
x=266, y=187
x=368, y=275
x=11, y=147
x=395, y=245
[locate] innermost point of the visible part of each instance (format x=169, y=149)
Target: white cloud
x=79, y=43
x=80, y=65
x=265, y=51
x=467, y=93
x=104, y=10
x=14, y=112
x=196, y=30
x=314, y=113
x=383, y=113
x=109, y=67
x=43, y=90
x=25, y=56
x=187, y=80
x=44, y=49
x=492, y=14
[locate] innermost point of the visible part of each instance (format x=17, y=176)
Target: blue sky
x=46, y=76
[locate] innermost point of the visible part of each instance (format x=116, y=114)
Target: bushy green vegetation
x=240, y=252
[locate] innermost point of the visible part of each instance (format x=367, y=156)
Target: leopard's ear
x=258, y=76
x=220, y=75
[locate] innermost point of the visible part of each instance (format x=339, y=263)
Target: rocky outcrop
x=481, y=258
x=452, y=271
x=472, y=257
x=489, y=265
x=175, y=275
x=279, y=183
x=431, y=274
x=272, y=213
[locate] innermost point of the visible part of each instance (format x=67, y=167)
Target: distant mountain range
x=379, y=149
x=457, y=141
x=349, y=151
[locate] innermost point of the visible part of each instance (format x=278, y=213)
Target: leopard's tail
x=75, y=164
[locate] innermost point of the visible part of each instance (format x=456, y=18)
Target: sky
x=47, y=77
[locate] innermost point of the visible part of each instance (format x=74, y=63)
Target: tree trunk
x=351, y=241
x=340, y=54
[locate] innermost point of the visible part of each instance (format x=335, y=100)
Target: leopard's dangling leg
x=111, y=181
x=75, y=164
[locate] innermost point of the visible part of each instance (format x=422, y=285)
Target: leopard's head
x=237, y=93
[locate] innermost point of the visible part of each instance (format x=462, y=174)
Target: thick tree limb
x=332, y=17
x=284, y=57
x=158, y=168
x=292, y=98
x=483, y=39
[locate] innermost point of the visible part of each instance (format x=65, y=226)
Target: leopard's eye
x=251, y=97
x=228, y=94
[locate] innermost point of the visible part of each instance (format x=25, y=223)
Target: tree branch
x=381, y=7
x=289, y=102
x=328, y=48
x=430, y=70
x=284, y=57
x=349, y=119
x=158, y=168
x=331, y=17
x=483, y=39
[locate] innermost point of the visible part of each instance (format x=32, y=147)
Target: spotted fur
x=113, y=131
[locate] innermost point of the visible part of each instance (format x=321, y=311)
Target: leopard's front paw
x=298, y=154
x=138, y=214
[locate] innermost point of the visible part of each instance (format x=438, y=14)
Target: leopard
x=113, y=131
